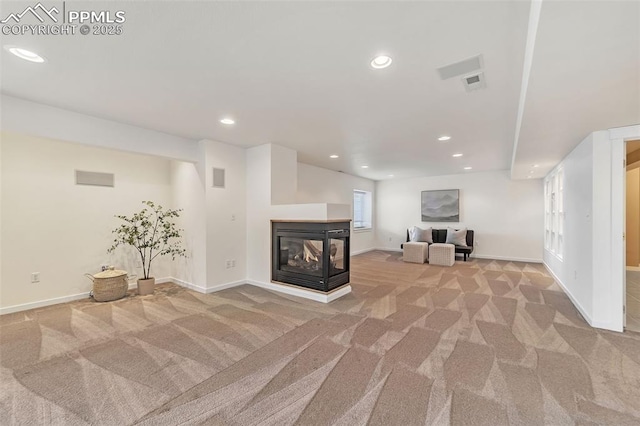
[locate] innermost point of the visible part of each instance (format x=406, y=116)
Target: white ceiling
x=298, y=74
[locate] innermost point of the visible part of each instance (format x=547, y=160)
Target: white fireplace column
x=272, y=174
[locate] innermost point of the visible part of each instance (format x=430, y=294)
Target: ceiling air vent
x=474, y=82
x=464, y=67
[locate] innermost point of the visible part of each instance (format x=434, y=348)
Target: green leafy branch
x=151, y=232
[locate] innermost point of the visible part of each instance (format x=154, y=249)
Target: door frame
x=618, y=138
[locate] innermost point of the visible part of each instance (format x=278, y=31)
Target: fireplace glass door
x=301, y=255
x=336, y=256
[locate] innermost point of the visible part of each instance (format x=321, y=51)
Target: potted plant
x=152, y=233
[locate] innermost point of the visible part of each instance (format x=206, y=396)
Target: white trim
x=204, y=290
x=318, y=297
x=300, y=292
x=43, y=303
x=355, y=253
x=510, y=259
x=477, y=256
x=627, y=132
x=62, y=299
x=163, y=280
x=617, y=140
x=189, y=285
x=225, y=286
x=617, y=319
x=583, y=312
x=398, y=250
x=551, y=253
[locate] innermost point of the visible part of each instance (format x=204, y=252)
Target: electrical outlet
x=233, y=218
x=35, y=277
x=228, y=263
x=233, y=263
x=390, y=238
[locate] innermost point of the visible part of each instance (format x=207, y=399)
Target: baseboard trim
x=204, y=290
x=573, y=299
x=319, y=297
x=64, y=299
x=43, y=303
x=294, y=291
x=506, y=258
x=225, y=286
x=477, y=256
x=187, y=284
x=397, y=250
x=163, y=280
x=355, y=253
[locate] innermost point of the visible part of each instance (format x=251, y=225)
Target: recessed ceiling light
x=381, y=61
x=444, y=138
x=365, y=167
x=228, y=120
x=25, y=54
x=468, y=168
x=457, y=155
x=536, y=165
x=530, y=172
x=333, y=156
x=390, y=175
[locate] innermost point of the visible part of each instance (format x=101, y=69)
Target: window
x=554, y=212
x=361, y=209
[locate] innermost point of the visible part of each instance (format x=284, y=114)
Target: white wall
x=506, y=215
x=188, y=193
x=226, y=215
x=592, y=271
x=62, y=230
x=284, y=172
x=575, y=269
x=318, y=185
x=259, y=212
x=604, y=299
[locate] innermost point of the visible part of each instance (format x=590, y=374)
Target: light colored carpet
x=480, y=343
x=633, y=300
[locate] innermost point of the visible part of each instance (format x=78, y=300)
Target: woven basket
x=109, y=285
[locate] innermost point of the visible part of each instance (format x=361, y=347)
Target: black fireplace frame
x=323, y=231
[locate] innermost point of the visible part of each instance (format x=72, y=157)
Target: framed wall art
x=441, y=205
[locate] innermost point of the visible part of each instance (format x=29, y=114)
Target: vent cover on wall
x=460, y=68
x=94, y=178
x=218, y=178
x=474, y=82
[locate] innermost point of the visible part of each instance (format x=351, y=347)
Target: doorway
x=632, y=235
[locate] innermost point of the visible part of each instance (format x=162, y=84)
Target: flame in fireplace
x=311, y=252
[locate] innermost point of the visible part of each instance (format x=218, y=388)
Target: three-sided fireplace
x=314, y=255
